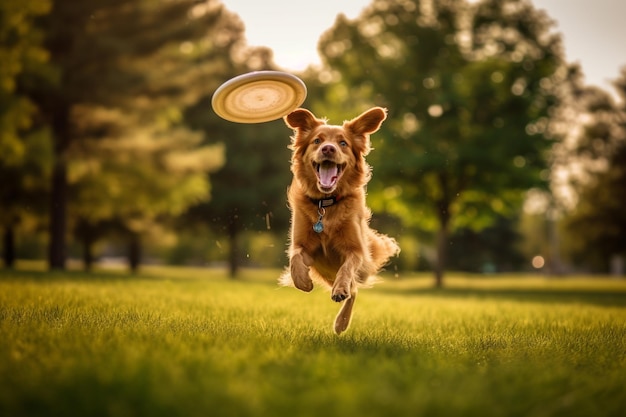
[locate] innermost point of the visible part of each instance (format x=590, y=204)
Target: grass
x=189, y=342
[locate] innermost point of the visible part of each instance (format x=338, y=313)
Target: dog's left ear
x=365, y=124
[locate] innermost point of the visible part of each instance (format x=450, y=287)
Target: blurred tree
x=469, y=88
x=250, y=189
x=124, y=187
x=492, y=249
x=598, y=221
x=24, y=143
x=128, y=70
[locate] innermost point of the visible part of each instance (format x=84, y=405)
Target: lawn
x=190, y=342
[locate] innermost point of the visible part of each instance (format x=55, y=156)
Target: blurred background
x=497, y=156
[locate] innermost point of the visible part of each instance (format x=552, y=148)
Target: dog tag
x=318, y=227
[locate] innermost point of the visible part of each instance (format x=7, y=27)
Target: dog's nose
x=328, y=150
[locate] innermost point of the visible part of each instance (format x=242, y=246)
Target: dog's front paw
x=340, y=292
x=339, y=297
x=300, y=277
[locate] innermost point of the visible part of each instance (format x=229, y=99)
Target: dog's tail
x=392, y=245
x=285, y=279
x=383, y=247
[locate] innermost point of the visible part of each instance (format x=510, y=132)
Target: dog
x=331, y=241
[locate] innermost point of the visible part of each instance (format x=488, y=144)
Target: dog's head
x=329, y=159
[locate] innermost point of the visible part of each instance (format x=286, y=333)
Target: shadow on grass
x=599, y=297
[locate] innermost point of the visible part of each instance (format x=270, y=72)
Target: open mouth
x=328, y=174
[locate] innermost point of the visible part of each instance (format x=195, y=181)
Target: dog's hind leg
x=342, y=321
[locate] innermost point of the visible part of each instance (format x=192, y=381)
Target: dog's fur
x=329, y=162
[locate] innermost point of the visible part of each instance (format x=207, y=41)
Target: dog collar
x=321, y=204
x=325, y=202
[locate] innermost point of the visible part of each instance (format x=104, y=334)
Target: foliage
x=134, y=80
x=25, y=154
x=184, y=342
x=128, y=71
x=106, y=105
x=469, y=89
x=249, y=191
x=22, y=55
x=598, y=222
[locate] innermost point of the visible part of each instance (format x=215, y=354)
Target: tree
x=128, y=70
x=469, y=89
x=249, y=191
x=129, y=185
x=24, y=151
x=492, y=249
x=598, y=221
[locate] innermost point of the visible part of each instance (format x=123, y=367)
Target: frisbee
x=258, y=97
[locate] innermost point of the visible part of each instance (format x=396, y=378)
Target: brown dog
x=331, y=241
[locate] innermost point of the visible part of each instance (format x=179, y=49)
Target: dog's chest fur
x=340, y=220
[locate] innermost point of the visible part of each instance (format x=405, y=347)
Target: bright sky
x=593, y=31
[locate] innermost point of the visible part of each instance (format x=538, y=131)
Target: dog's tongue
x=327, y=174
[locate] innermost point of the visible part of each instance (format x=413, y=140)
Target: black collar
x=325, y=202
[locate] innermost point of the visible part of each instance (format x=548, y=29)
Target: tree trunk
x=58, y=220
x=443, y=212
x=442, y=250
x=134, y=252
x=9, y=247
x=59, y=193
x=233, y=255
x=88, y=249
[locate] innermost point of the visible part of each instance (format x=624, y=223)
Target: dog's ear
x=367, y=122
x=302, y=119
x=364, y=124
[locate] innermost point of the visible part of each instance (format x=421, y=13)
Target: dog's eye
x=343, y=143
x=317, y=141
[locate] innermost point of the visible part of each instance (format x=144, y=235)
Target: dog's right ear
x=302, y=119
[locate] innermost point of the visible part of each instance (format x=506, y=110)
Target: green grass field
x=189, y=342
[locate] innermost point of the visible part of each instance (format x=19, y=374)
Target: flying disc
x=259, y=96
